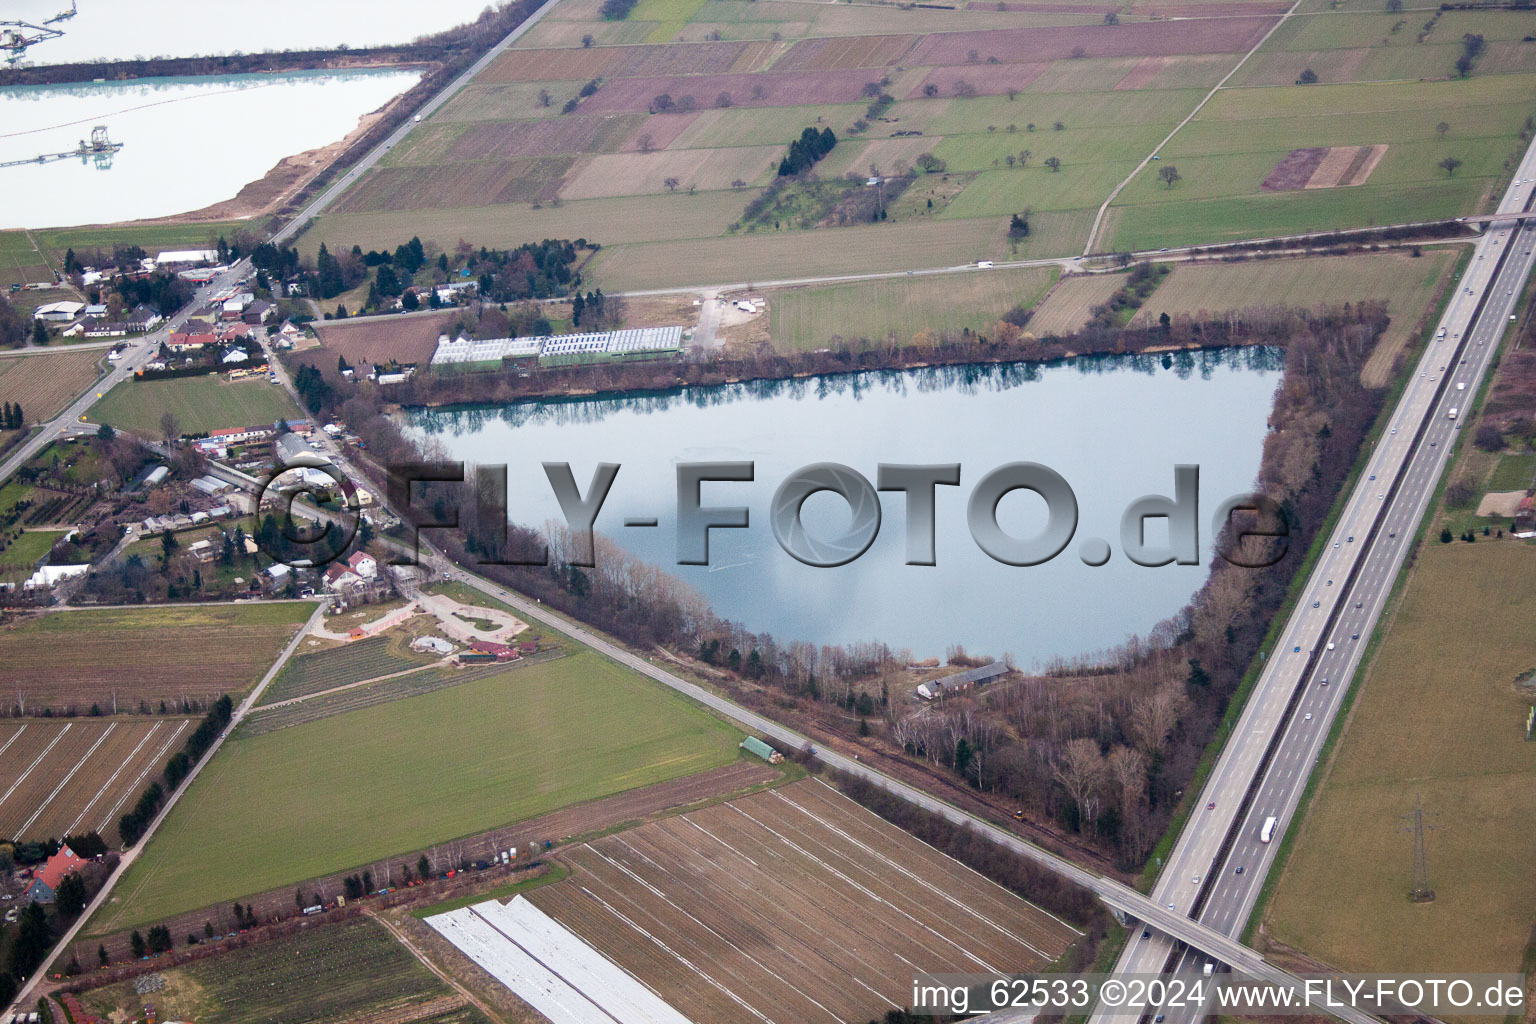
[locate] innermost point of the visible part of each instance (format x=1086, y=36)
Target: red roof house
x=46, y=882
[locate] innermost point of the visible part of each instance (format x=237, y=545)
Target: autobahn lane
x=1269, y=757
x=1233, y=896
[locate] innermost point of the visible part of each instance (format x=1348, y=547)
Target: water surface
x=120, y=30
x=187, y=142
x=1114, y=428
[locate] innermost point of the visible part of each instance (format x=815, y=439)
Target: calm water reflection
x=188, y=142
x=1114, y=427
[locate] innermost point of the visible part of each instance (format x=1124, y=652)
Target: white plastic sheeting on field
x=550, y=967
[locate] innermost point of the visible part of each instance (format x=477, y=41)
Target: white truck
x=1452, y=414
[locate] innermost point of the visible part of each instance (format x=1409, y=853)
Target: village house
x=45, y=883
x=185, y=341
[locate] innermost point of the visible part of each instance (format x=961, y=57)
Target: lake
x=187, y=142
x=1113, y=427
x=114, y=30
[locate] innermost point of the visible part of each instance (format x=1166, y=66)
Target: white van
x=1461, y=385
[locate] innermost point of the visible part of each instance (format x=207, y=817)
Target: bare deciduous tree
x=1081, y=770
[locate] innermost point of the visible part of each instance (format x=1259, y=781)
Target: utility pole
x=1421, y=892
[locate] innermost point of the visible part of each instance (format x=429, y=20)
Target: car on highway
x=1239, y=870
x=1211, y=806
x=1297, y=649
x=1308, y=717
x=1197, y=879
x=1324, y=681
x=1146, y=933
x=1354, y=636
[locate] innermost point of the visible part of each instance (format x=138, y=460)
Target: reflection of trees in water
x=201, y=86
x=969, y=379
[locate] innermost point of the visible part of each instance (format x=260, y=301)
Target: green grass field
x=21, y=554
x=1438, y=717
x=1513, y=473
x=1226, y=153
x=807, y=318
x=348, y=789
x=1405, y=283
x=200, y=404
x=346, y=972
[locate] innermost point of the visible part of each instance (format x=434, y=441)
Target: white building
x=58, y=312
x=52, y=575
x=187, y=256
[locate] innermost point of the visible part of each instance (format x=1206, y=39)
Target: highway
x=1114, y=893
x=1265, y=767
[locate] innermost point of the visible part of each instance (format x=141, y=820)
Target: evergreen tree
x=328, y=273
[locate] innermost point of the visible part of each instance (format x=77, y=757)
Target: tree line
x=11, y=417
x=130, y=828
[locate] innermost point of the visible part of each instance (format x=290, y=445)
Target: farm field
x=807, y=318
x=685, y=99
x=408, y=773
x=1225, y=155
x=408, y=683
x=405, y=339
x=1438, y=716
x=69, y=777
x=72, y=659
x=773, y=890
x=200, y=404
x=762, y=259
x=1407, y=284
x=354, y=970
x=1069, y=305
x=314, y=671
x=590, y=818
x=43, y=383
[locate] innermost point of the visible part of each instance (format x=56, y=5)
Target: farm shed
x=753, y=745
x=936, y=688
